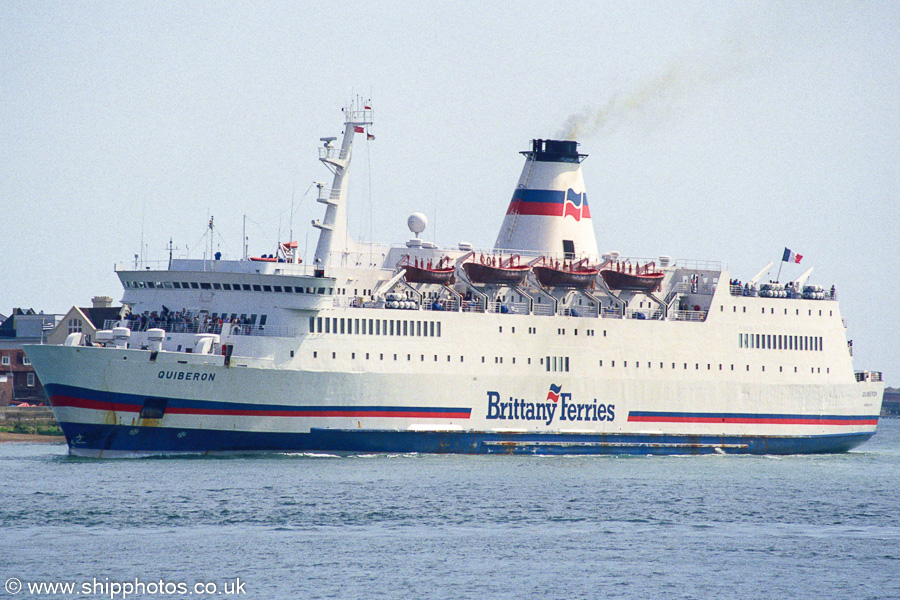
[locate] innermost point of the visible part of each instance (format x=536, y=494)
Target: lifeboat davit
x=625, y=277
x=566, y=274
x=496, y=270
x=422, y=271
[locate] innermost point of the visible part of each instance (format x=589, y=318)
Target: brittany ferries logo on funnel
x=575, y=205
x=520, y=409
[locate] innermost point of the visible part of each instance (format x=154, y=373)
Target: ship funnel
x=549, y=213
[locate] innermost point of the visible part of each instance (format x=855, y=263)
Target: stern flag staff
x=788, y=256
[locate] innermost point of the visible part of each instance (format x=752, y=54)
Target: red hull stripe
x=317, y=411
x=747, y=419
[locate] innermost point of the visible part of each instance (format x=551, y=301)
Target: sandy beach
x=32, y=438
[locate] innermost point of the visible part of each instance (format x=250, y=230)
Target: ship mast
x=334, y=243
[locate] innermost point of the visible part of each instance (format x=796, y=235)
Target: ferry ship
x=540, y=345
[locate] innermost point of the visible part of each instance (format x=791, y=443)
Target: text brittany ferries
x=521, y=410
x=534, y=342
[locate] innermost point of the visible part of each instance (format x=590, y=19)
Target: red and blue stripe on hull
x=99, y=438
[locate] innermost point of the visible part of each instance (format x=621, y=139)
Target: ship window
x=175, y=284
x=764, y=368
x=482, y=360
x=262, y=319
x=246, y=287
x=315, y=354
x=419, y=328
x=334, y=355
x=625, y=363
x=342, y=325
x=764, y=310
x=567, y=364
x=205, y=286
x=461, y=359
x=439, y=329
x=392, y=327
x=685, y=366
x=151, y=285
x=720, y=366
x=195, y=285
x=312, y=324
x=217, y=286
x=406, y=328
x=600, y=363
x=226, y=286
x=257, y=287
x=327, y=325
x=267, y=288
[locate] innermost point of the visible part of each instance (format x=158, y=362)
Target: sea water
x=418, y=526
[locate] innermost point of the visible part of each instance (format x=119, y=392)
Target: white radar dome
x=417, y=223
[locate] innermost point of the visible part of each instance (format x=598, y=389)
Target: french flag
x=791, y=256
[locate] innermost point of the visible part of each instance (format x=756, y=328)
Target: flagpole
x=778, y=277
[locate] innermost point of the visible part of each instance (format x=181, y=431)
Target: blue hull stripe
x=94, y=439
x=63, y=395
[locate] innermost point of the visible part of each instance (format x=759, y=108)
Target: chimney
x=101, y=301
x=549, y=213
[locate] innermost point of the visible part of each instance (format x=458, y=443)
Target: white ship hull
x=354, y=355
x=629, y=388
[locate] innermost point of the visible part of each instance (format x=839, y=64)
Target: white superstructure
x=538, y=345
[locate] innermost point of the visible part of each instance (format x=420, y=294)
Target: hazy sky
x=715, y=130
